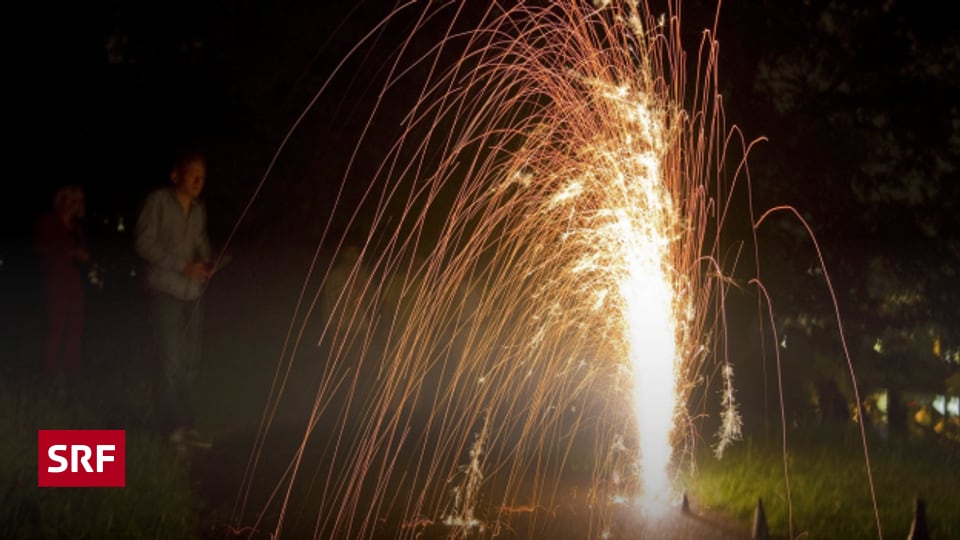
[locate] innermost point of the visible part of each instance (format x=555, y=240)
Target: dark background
x=858, y=106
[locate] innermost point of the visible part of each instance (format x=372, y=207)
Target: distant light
x=940, y=403
x=878, y=346
x=783, y=342
x=882, y=402
x=95, y=276
x=120, y=226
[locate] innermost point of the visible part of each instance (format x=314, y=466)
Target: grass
x=157, y=502
x=828, y=484
x=830, y=496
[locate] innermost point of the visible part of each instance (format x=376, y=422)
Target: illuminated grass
x=828, y=485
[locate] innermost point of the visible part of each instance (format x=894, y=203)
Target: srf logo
x=81, y=458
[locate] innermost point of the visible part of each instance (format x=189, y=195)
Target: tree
x=859, y=105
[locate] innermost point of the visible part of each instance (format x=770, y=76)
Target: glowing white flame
x=652, y=357
x=642, y=220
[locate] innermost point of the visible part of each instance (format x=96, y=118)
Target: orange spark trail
x=535, y=285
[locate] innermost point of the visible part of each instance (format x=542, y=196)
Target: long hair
x=65, y=196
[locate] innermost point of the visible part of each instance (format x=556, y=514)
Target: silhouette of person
x=62, y=247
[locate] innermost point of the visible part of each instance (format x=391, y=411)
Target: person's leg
x=73, y=328
x=192, y=341
x=56, y=322
x=169, y=322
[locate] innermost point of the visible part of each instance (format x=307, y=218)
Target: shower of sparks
x=537, y=286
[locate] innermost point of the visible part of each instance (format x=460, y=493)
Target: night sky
x=101, y=95
x=857, y=105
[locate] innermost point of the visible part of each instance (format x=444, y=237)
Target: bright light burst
x=536, y=284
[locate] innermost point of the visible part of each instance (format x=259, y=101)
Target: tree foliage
x=859, y=104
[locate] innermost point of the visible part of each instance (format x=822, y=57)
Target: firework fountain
x=538, y=288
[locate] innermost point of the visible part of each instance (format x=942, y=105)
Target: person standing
x=171, y=238
x=62, y=247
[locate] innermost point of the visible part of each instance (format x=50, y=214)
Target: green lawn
x=828, y=484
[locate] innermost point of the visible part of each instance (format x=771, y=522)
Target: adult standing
x=171, y=237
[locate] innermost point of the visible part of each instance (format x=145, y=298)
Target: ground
x=249, y=311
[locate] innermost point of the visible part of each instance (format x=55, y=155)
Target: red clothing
x=64, y=296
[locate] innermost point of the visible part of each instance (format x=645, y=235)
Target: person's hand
x=197, y=270
x=217, y=262
x=210, y=268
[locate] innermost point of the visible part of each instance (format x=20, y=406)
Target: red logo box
x=81, y=458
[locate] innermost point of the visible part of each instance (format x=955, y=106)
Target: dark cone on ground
x=685, y=504
x=918, y=529
x=760, y=523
